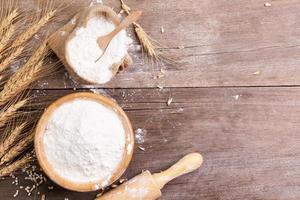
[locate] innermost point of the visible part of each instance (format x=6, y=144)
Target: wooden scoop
x=147, y=187
x=104, y=41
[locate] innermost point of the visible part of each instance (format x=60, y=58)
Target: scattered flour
x=102, y=92
x=140, y=135
x=236, y=97
x=84, y=141
x=138, y=192
x=95, y=2
x=83, y=50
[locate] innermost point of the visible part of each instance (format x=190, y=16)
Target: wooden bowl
x=47, y=167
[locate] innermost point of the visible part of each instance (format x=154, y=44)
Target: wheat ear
x=11, y=111
x=7, y=170
x=25, y=76
x=11, y=57
x=16, y=149
x=25, y=36
x=19, y=82
x=7, y=21
x=144, y=38
x=11, y=138
x=5, y=38
x=39, y=54
x=125, y=7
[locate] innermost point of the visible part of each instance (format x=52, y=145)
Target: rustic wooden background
x=236, y=98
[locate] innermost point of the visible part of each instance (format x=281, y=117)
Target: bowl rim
x=47, y=167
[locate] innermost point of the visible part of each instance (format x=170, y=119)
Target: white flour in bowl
x=83, y=50
x=84, y=141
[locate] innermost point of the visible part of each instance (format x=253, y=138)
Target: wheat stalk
x=25, y=76
x=8, y=20
x=145, y=40
x=11, y=111
x=11, y=138
x=6, y=37
x=39, y=53
x=25, y=36
x=17, y=149
x=125, y=7
x=19, y=82
x=7, y=170
x=5, y=63
x=143, y=37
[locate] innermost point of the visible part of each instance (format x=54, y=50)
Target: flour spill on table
x=140, y=135
x=236, y=97
x=102, y=92
x=95, y=2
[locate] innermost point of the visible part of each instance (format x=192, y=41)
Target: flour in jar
x=84, y=141
x=84, y=52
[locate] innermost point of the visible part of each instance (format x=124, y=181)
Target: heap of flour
x=83, y=50
x=84, y=141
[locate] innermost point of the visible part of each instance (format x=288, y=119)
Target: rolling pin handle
x=185, y=165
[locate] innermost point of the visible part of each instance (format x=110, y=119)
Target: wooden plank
x=248, y=137
x=227, y=43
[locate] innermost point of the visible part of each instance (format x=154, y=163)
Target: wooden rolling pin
x=147, y=186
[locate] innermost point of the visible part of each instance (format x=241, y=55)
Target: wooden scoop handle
x=127, y=21
x=105, y=40
x=185, y=165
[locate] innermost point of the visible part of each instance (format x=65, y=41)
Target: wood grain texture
x=248, y=137
x=226, y=44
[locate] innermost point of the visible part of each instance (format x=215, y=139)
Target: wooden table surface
x=236, y=99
